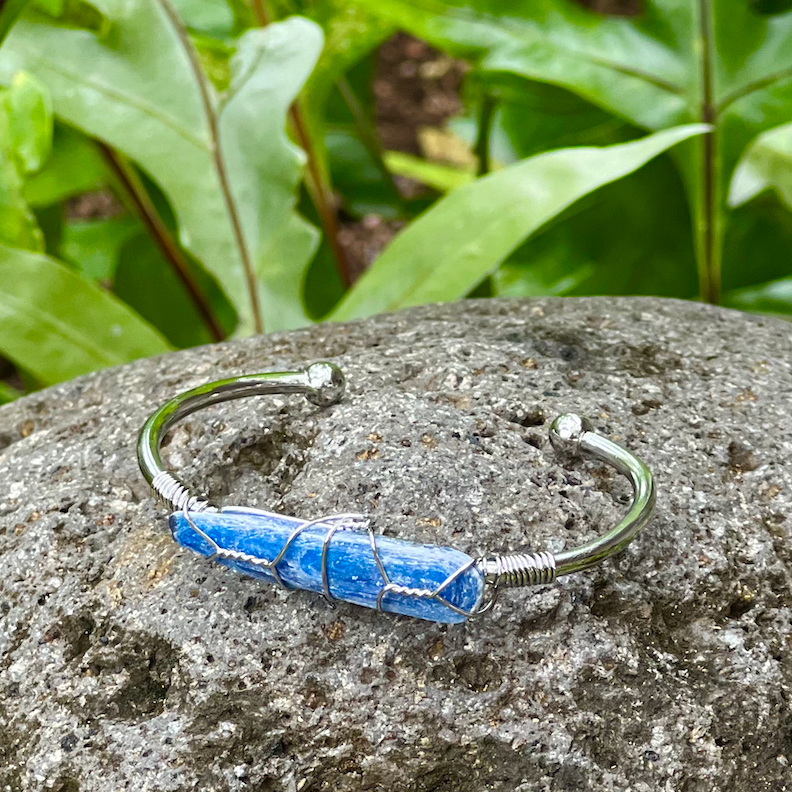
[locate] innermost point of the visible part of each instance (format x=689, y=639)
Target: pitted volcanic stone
x=129, y=663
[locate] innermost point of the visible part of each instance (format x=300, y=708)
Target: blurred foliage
x=593, y=154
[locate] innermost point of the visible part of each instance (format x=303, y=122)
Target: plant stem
x=318, y=187
x=709, y=252
x=482, y=145
x=162, y=236
x=366, y=131
x=321, y=194
x=219, y=163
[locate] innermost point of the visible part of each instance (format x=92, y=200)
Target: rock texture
x=127, y=663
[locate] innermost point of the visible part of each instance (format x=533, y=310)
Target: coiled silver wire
x=175, y=495
x=520, y=569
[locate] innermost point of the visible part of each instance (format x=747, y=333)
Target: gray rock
x=128, y=663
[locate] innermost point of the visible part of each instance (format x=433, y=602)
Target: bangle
x=339, y=556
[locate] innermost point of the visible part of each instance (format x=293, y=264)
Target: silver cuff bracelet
x=340, y=556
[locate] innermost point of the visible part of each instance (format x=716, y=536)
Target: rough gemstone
x=352, y=571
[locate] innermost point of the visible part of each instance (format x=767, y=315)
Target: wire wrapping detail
x=175, y=495
x=323, y=384
x=522, y=569
x=332, y=525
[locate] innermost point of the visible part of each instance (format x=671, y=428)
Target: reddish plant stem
x=162, y=237
x=320, y=191
x=248, y=265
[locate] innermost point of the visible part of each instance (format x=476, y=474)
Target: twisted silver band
x=323, y=385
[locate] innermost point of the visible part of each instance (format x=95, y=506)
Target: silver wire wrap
x=521, y=569
x=334, y=524
x=323, y=385
x=175, y=495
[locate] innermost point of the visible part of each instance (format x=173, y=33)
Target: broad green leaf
x=758, y=243
x=30, y=121
x=56, y=326
x=74, y=167
x=93, y=246
x=83, y=14
x=212, y=17
x=550, y=276
x=18, y=225
x=716, y=61
x=611, y=243
x=267, y=71
x=50, y=221
x=215, y=57
x=443, y=178
x=538, y=117
x=774, y=297
x=454, y=245
x=224, y=162
x=166, y=307
x=767, y=164
x=357, y=178
x=9, y=11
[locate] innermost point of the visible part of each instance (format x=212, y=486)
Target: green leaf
x=18, y=225
x=9, y=11
x=767, y=164
x=30, y=121
x=611, y=243
x=357, y=178
x=25, y=141
x=454, y=245
x=50, y=221
x=166, y=307
x=322, y=288
x=774, y=297
x=267, y=71
x=538, y=117
x=443, y=178
x=548, y=276
x=771, y=6
x=212, y=17
x=629, y=66
x=716, y=61
x=224, y=162
x=7, y=393
x=215, y=57
x=758, y=243
x=70, y=13
x=56, y=326
x=93, y=246
x=351, y=33
x=74, y=167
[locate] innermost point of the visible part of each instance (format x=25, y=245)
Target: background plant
x=600, y=154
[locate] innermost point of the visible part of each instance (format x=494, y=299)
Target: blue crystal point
x=353, y=574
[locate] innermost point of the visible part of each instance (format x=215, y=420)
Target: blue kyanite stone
x=353, y=574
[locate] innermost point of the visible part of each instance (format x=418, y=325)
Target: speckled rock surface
x=127, y=663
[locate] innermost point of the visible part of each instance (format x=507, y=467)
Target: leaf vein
x=42, y=318
x=124, y=98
